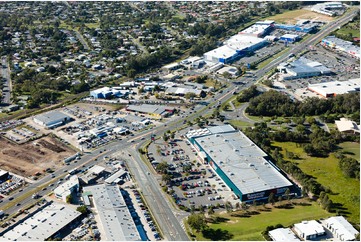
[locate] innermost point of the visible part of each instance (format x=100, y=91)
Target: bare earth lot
x=292, y=17
x=28, y=159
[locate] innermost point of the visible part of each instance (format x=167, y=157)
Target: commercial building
x=115, y=219
x=42, y=224
x=108, y=92
x=52, y=119
x=67, y=188
x=289, y=38
x=116, y=177
x=304, y=27
x=283, y=234
x=234, y=48
x=157, y=111
x=331, y=89
x=341, y=228
x=341, y=45
x=327, y=8
x=259, y=29
x=309, y=230
x=302, y=68
x=347, y=126
x=92, y=175
x=244, y=167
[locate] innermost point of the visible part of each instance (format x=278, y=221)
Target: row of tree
x=274, y=103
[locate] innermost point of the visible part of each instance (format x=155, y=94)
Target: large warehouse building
x=234, y=48
x=52, y=119
x=112, y=212
x=331, y=89
x=302, y=68
x=42, y=224
x=243, y=166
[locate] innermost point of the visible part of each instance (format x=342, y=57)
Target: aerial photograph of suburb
x=179, y=120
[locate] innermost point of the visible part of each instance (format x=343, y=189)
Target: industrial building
x=244, y=167
x=327, y=8
x=234, y=48
x=283, y=234
x=302, y=68
x=67, y=188
x=157, y=111
x=305, y=27
x=112, y=212
x=341, y=45
x=347, y=126
x=52, y=119
x=341, y=228
x=108, y=92
x=289, y=38
x=42, y=224
x=331, y=89
x=92, y=175
x=259, y=29
x=309, y=230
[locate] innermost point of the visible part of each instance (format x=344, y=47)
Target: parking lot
x=193, y=183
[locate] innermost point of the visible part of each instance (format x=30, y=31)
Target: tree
x=197, y=222
x=190, y=95
x=210, y=210
x=271, y=198
x=287, y=194
x=162, y=167
x=69, y=199
x=82, y=209
x=166, y=178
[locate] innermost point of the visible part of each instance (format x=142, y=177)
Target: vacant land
x=32, y=157
x=352, y=28
x=345, y=191
x=250, y=228
x=292, y=17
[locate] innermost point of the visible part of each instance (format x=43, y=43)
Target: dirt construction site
x=33, y=157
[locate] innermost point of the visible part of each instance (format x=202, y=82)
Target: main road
x=5, y=73
x=160, y=207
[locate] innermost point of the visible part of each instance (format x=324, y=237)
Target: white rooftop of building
x=52, y=116
x=347, y=125
x=42, y=224
x=309, y=228
x=64, y=189
x=241, y=42
x=222, y=52
x=283, y=234
x=96, y=170
x=255, y=29
x=114, y=216
x=336, y=87
x=242, y=161
x=290, y=36
x=342, y=227
x=115, y=176
x=210, y=130
x=183, y=90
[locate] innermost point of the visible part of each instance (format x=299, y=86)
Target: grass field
x=269, y=60
x=346, y=31
x=92, y=25
x=291, y=17
x=326, y=171
x=250, y=229
x=352, y=148
x=240, y=124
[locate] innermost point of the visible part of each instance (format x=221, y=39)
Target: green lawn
x=250, y=229
x=352, y=148
x=326, y=171
x=240, y=124
x=92, y=25
x=346, y=31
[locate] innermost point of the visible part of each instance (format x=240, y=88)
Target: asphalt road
x=169, y=224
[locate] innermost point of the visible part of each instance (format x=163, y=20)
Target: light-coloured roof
x=96, y=169
x=64, y=189
x=51, y=117
x=309, y=228
x=42, y=224
x=290, y=36
x=224, y=52
x=114, y=216
x=256, y=28
x=242, y=42
x=283, y=234
x=183, y=90
x=115, y=176
x=241, y=160
x=335, y=87
x=347, y=125
x=149, y=108
x=342, y=227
